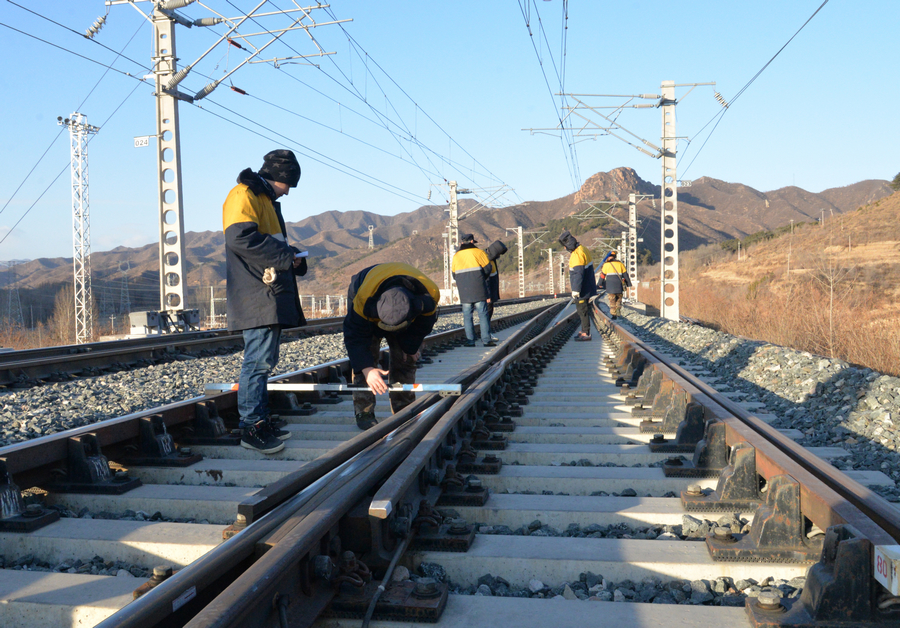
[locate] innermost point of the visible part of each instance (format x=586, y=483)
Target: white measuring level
x=445, y=390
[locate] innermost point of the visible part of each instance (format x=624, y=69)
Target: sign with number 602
x=142, y=142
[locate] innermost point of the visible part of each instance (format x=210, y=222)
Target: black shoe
x=276, y=421
x=365, y=420
x=614, y=317
x=259, y=439
x=495, y=340
x=469, y=344
x=277, y=432
x=490, y=343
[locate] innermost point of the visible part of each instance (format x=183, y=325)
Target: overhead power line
x=721, y=114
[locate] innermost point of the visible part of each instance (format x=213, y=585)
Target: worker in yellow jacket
x=472, y=271
x=581, y=278
x=614, y=279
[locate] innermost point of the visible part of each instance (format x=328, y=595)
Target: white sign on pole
x=142, y=141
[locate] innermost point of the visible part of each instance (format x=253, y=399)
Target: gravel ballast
x=831, y=401
x=53, y=407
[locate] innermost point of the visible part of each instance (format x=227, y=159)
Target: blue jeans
x=260, y=357
x=469, y=323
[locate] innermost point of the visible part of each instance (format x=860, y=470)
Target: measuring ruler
x=445, y=390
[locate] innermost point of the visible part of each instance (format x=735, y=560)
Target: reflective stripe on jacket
x=255, y=239
x=614, y=277
x=361, y=322
x=471, y=269
x=581, y=272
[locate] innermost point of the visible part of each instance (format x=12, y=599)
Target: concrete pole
x=669, y=302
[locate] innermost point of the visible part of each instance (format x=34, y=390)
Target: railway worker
x=581, y=278
x=494, y=250
x=262, y=297
x=396, y=302
x=471, y=270
x=614, y=279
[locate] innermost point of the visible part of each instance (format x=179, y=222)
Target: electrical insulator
x=235, y=44
x=95, y=27
x=208, y=21
x=238, y=90
x=175, y=4
x=206, y=91
x=429, y=195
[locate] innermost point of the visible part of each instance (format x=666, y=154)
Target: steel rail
x=406, y=475
x=780, y=453
x=277, y=509
x=52, y=361
x=246, y=602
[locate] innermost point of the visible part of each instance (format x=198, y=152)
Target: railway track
x=569, y=471
x=25, y=368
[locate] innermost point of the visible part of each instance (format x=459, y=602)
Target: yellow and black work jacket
x=361, y=322
x=256, y=239
x=614, y=277
x=581, y=272
x=471, y=269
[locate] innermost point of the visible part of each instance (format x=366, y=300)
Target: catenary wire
x=721, y=114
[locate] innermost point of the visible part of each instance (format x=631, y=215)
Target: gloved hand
x=269, y=276
x=575, y=295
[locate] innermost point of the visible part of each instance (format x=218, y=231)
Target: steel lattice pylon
x=79, y=132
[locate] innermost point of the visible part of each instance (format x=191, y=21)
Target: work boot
x=276, y=421
x=581, y=337
x=365, y=420
x=469, y=343
x=258, y=438
x=614, y=316
x=490, y=343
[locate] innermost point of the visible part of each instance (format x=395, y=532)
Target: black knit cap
x=568, y=240
x=281, y=165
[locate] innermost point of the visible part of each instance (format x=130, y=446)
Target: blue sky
x=433, y=91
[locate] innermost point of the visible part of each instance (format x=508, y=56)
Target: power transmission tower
x=79, y=132
x=168, y=77
x=633, y=241
x=371, y=237
x=14, y=316
x=124, y=296
x=550, y=260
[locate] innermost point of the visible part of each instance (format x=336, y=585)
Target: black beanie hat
x=281, y=165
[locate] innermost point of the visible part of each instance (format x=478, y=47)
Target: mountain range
x=709, y=211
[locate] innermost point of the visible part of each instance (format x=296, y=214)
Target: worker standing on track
x=494, y=250
x=396, y=302
x=262, y=297
x=581, y=278
x=471, y=270
x=614, y=278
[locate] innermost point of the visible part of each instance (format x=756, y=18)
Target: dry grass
x=839, y=300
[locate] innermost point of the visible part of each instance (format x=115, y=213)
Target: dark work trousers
x=402, y=370
x=582, y=306
x=490, y=310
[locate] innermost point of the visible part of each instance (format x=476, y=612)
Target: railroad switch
x=208, y=428
x=87, y=470
x=778, y=531
x=710, y=455
x=16, y=515
x=688, y=432
x=157, y=448
x=737, y=489
x=840, y=590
